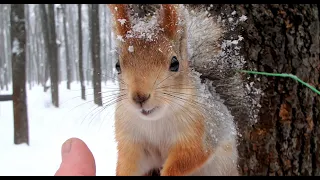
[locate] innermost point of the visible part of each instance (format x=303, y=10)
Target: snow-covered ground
x=49, y=127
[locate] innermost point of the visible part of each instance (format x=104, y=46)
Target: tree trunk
x=104, y=48
x=38, y=51
x=83, y=89
x=1, y=65
x=18, y=42
x=2, y=47
x=89, y=52
x=28, y=47
x=58, y=40
x=45, y=29
x=66, y=45
x=95, y=48
x=53, y=54
x=76, y=41
x=35, y=61
x=7, y=68
x=111, y=56
x=72, y=42
x=1, y=74
x=89, y=63
x=279, y=39
x=110, y=52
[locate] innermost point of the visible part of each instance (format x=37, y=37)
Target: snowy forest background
x=66, y=52
x=66, y=23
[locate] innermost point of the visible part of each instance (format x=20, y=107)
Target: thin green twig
x=283, y=75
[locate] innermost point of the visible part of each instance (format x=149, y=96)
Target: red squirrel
x=161, y=120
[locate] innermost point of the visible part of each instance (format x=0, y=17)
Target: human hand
x=77, y=159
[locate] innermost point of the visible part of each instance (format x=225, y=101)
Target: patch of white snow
x=122, y=21
x=131, y=49
x=243, y=18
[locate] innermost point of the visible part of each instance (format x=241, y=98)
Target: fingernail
x=66, y=147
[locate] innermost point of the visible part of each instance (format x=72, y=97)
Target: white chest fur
x=156, y=138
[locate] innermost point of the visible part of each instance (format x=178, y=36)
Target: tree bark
x=45, y=29
x=53, y=54
x=104, y=49
x=2, y=48
x=279, y=39
x=38, y=51
x=1, y=68
x=7, y=68
x=68, y=68
x=18, y=41
x=95, y=49
x=28, y=47
x=89, y=52
x=83, y=89
x=35, y=61
x=72, y=42
x=110, y=56
x=76, y=41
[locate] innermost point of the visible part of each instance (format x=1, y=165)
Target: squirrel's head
x=152, y=73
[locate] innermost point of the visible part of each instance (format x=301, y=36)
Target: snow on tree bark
x=18, y=42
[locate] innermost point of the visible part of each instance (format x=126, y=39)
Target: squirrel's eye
x=118, y=67
x=174, y=66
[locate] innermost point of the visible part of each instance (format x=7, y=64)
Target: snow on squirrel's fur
x=206, y=50
x=142, y=28
x=213, y=56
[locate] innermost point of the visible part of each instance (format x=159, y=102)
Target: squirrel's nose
x=140, y=98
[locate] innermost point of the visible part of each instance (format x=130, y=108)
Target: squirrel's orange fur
x=170, y=20
x=175, y=138
x=120, y=12
x=188, y=153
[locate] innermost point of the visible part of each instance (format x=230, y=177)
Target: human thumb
x=77, y=159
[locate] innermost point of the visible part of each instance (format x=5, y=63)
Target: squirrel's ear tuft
x=169, y=20
x=121, y=18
